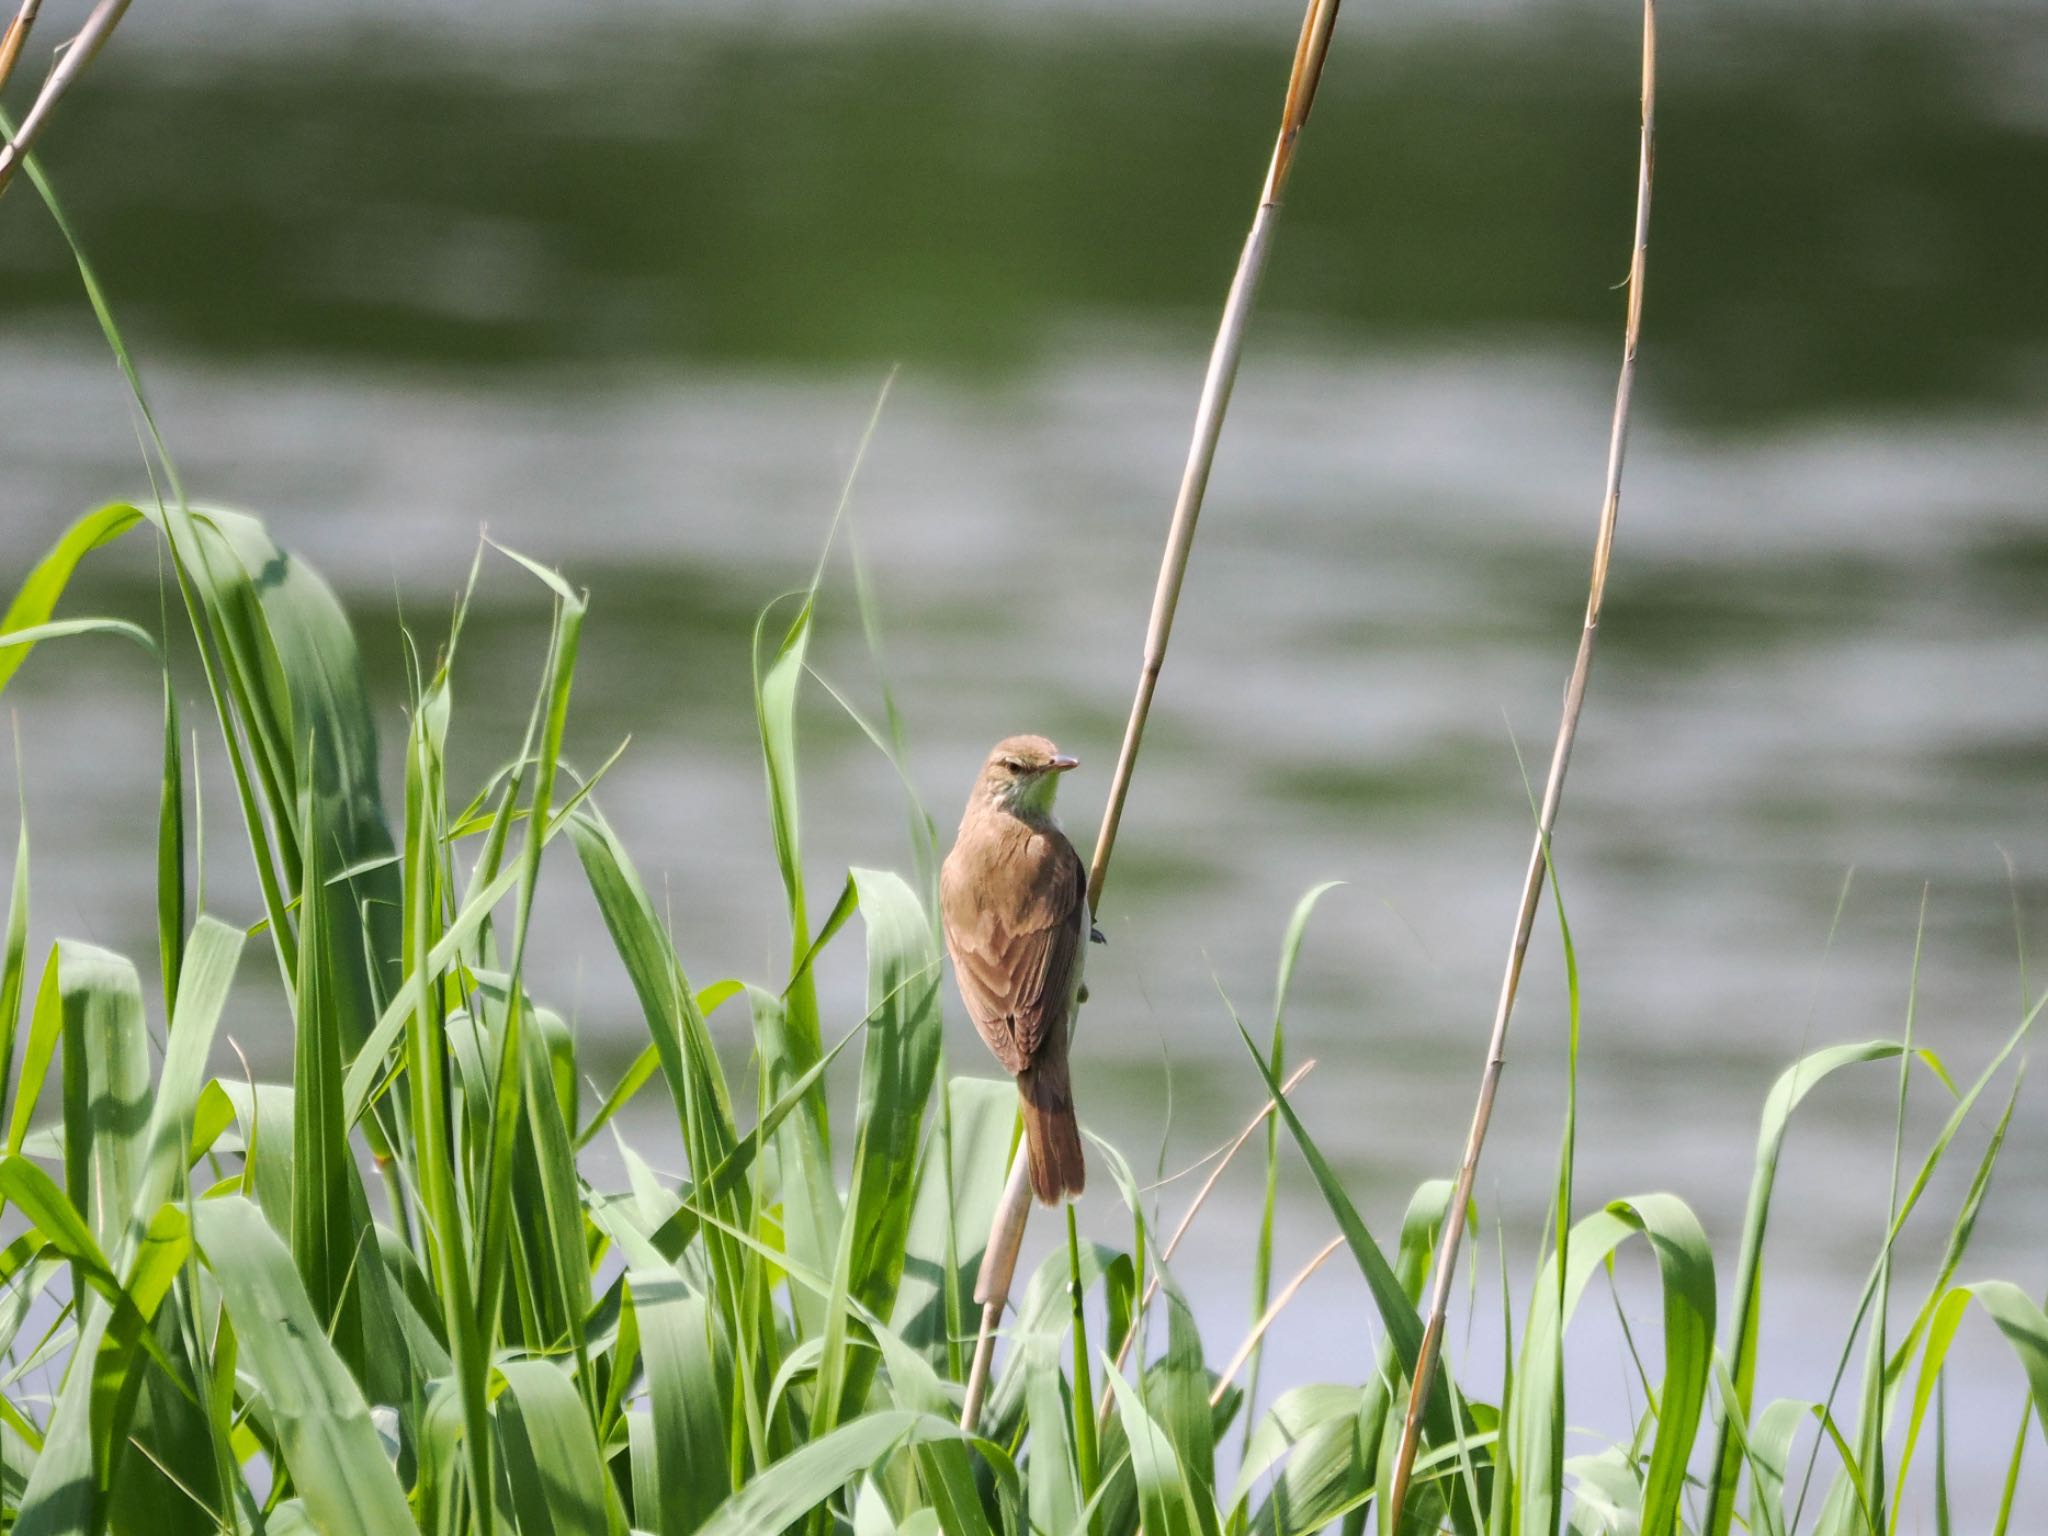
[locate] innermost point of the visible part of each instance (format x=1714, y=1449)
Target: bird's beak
x=1062, y=763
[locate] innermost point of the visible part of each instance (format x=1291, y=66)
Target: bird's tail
x=1050, y=1131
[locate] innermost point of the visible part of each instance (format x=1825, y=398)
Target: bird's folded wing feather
x=1012, y=914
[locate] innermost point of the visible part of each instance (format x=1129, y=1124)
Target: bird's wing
x=1012, y=910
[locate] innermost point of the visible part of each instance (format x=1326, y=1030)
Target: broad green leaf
x=559, y=1484
x=782, y=1493
x=210, y=960
x=1169, y=1505
x=106, y=1085
x=325, y=1439
x=37, y=597
x=689, y=1401
x=956, y=1200
x=1686, y=1268
x=898, y=1062
x=1792, y=1086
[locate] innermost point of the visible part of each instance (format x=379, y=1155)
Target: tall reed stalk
x=1553, y=794
x=15, y=37
x=1006, y=1234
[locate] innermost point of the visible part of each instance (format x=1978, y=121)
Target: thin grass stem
x=1251, y=1340
x=1553, y=794
x=1188, y=1220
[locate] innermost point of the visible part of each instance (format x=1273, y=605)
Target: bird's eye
x=1014, y=764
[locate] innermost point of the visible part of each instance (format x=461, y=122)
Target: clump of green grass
x=248, y=1335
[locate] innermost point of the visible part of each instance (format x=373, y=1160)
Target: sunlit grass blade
x=1686, y=1268
x=1276, y=1057
x=1929, y=1163
x=212, y=956
x=789, y=1489
x=777, y=681
x=14, y=958
x=690, y=1403
x=106, y=1084
x=899, y=1061
x=557, y=1477
x=935, y=1296
x=1403, y=1338
x=325, y=1439
x=1791, y=1088
x=1169, y=1504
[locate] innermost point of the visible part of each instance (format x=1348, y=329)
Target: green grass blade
x=1169, y=1506
x=210, y=961
x=106, y=1084
x=949, y=1222
x=1791, y=1088
x=14, y=961
x=784, y=1492
x=1871, y=1422
x=1276, y=1056
x=898, y=1062
x=45, y=1030
x=689, y=1063
x=323, y=1239
x=559, y=1484
x=776, y=686
x=1086, y=1452
x=36, y=599
x=1053, y=1479
x=1403, y=1338
x=326, y=1443
x=690, y=1399
x=1686, y=1267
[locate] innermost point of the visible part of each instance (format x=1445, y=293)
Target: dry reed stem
x=1007, y=1234
x=90, y=39
x=1553, y=793
x=16, y=35
x=1188, y=1220
x=1251, y=1340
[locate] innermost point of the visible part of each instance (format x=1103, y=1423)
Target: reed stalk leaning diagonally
x=1553, y=793
x=99, y=26
x=1006, y=1232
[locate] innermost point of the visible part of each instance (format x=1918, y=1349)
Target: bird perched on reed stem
x=1014, y=899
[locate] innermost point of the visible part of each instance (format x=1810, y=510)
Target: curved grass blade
x=325, y=1441
x=1276, y=1056
x=1791, y=1088
x=559, y=1483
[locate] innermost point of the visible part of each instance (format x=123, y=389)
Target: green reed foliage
x=393, y=1293
x=247, y=1335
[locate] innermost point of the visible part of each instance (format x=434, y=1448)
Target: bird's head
x=1023, y=773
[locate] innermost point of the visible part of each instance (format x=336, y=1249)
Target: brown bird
x=1014, y=899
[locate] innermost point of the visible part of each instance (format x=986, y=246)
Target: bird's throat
x=1032, y=798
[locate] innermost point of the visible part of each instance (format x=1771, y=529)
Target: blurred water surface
x=623, y=288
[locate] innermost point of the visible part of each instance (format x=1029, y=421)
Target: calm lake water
x=624, y=287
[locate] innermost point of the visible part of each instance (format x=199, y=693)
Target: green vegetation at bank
x=391, y=1294
x=954, y=190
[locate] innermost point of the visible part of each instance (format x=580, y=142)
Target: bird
x=1013, y=900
